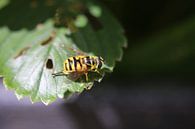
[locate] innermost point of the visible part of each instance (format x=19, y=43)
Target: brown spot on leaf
x=49, y=64
x=49, y=39
x=22, y=52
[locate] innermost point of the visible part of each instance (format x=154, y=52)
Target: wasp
x=80, y=65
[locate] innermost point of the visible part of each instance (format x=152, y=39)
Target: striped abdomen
x=82, y=64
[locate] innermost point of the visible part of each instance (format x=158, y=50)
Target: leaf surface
x=35, y=46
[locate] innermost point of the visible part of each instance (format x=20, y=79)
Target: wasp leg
x=58, y=74
x=97, y=71
x=86, y=76
x=89, y=86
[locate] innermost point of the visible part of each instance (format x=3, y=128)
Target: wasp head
x=100, y=62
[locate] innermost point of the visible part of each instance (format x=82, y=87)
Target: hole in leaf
x=49, y=39
x=94, y=21
x=22, y=52
x=49, y=64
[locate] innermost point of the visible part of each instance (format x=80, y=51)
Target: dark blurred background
x=160, y=38
x=151, y=88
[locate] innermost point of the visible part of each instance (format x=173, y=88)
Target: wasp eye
x=100, y=65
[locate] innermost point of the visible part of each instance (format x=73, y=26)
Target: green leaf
x=3, y=3
x=39, y=36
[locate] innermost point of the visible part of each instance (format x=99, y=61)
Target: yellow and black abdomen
x=82, y=64
x=75, y=64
